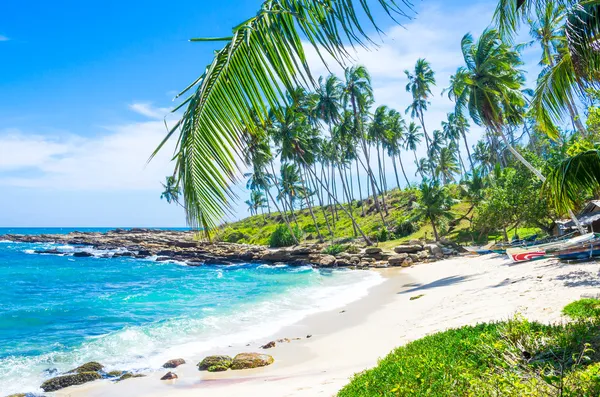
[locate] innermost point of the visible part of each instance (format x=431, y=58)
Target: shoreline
x=455, y=292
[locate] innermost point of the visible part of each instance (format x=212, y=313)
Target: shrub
x=583, y=309
x=230, y=235
x=282, y=237
x=334, y=249
x=384, y=235
x=405, y=227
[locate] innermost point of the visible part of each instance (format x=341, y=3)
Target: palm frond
x=574, y=177
x=263, y=58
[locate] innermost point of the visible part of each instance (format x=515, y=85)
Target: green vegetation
x=414, y=298
x=513, y=358
x=583, y=309
x=282, y=237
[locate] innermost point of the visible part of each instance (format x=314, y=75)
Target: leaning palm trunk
x=403, y=172
x=321, y=201
x=364, y=236
x=345, y=189
x=537, y=173
x=360, y=196
x=285, y=218
x=308, y=204
x=396, y=172
x=468, y=150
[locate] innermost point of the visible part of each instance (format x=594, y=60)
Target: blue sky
x=85, y=87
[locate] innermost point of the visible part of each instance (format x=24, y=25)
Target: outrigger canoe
x=584, y=251
x=541, y=251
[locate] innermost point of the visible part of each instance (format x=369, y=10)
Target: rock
x=422, y=255
x=169, y=376
x=434, y=249
x=408, y=249
x=92, y=366
x=407, y=262
x=82, y=254
x=284, y=340
x=217, y=368
x=373, y=250
x=212, y=361
x=269, y=345
x=114, y=374
x=251, y=360
x=327, y=260
x=277, y=256
x=53, y=251
x=380, y=265
x=396, y=260
x=129, y=375
x=61, y=382
x=415, y=242
x=18, y=395
x=174, y=363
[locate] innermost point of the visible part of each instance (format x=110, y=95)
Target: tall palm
x=437, y=142
x=358, y=94
x=262, y=57
x=434, y=205
x=171, y=190
x=412, y=139
x=483, y=156
x=456, y=127
x=395, y=140
x=420, y=81
x=377, y=134
x=447, y=164
x=490, y=87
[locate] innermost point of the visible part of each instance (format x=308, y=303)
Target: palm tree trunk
x=310, y=210
x=417, y=164
x=345, y=188
x=403, y=172
x=362, y=203
x=285, y=218
x=364, y=236
x=321, y=202
x=435, y=232
x=461, y=161
x=427, y=139
x=576, y=119
x=468, y=151
x=396, y=172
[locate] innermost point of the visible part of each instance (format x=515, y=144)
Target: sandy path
x=456, y=292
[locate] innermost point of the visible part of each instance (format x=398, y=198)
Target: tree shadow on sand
x=443, y=282
x=580, y=278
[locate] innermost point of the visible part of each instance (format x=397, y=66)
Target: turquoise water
x=57, y=312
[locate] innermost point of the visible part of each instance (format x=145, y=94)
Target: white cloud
x=146, y=109
x=114, y=160
x=4, y=38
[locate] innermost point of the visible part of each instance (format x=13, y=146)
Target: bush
x=282, y=237
x=384, y=235
x=230, y=235
x=334, y=249
x=583, y=309
x=513, y=358
x=405, y=227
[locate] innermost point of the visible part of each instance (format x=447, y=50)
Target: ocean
x=57, y=312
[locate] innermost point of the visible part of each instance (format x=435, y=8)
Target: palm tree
x=447, y=165
x=394, y=141
x=483, y=156
x=171, y=190
x=291, y=185
x=567, y=31
x=377, y=133
x=437, y=142
x=419, y=86
x=424, y=167
x=490, y=86
x=412, y=139
x=434, y=205
x=262, y=58
x=358, y=94
x=454, y=128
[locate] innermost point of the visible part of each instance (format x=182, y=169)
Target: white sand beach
x=456, y=292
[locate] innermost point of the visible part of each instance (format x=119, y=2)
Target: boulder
x=373, y=250
x=396, y=260
x=277, y=256
x=114, y=374
x=407, y=262
x=169, y=376
x=269, y=345
x=92, y=366
x=214, y=361
x=18, y=395
x=327, y=260
x=218, y=368
x=434, y=249
x=415, y=242
x=422, y=255
x=176, y=362
x=61, y=382
x=82, y=254
x=408, y=248
x=251, y=360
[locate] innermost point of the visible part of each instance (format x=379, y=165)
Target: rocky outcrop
x=176, y=362
x=92, y=366
x=60, y=382
x=408, y=249
x=215, y=363
x=129, y=375
x=251, y=360
x=269, y=345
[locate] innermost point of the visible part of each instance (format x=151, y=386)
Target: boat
x=524, y=254
x=501, y=248
x=584, y=251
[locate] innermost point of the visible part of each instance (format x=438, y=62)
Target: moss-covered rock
x=61, y=382
x=92, y=366
x=251, y=360
x=129, y=375
x=213, y=361
x=218, y=368
x=18, y=395
x=114, y=374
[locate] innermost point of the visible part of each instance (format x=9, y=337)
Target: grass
x=414, y=298
x=583, y=309
x=513, y=358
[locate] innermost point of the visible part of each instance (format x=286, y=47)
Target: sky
x=85, y=88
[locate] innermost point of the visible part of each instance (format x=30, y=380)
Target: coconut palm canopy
x=262, y=59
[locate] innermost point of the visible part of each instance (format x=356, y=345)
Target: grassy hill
x=257, y=229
